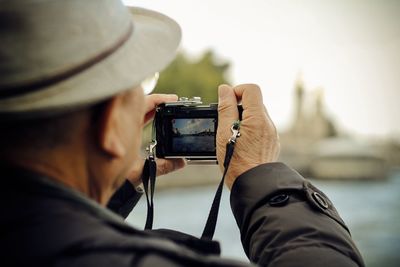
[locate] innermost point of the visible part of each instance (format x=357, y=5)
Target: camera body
x=187, y=129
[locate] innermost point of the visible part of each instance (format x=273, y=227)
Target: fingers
x=165, y=166
x=153, y=100
x=252, y=100
x=251, y=96
x=227, y=107
x=227, y=114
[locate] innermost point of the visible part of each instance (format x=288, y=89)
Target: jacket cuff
x=259, y=183
x=125, y=199
x=258, y=186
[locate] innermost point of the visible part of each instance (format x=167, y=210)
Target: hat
x=57, y=55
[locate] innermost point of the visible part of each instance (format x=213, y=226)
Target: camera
x=186, y=129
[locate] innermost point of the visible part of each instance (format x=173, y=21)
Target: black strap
x=149, y=180
x=209, y=228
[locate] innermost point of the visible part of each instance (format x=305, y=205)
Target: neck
x=65, y=165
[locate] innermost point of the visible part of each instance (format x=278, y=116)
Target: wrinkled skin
x=259, y=141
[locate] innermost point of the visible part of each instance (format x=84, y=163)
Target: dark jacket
x=283, y=221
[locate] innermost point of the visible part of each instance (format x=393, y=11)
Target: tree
x=199, y=78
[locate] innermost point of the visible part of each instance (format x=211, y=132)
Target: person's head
x=70, y=75
x=104, y=137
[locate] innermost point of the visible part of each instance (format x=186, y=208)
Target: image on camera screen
x=193, y=135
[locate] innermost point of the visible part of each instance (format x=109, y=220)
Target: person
x=72, y=109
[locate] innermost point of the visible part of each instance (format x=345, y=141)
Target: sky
x=190, y=126
x=350, y=48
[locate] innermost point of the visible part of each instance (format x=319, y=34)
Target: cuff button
x=320, y=200
x=279, y=200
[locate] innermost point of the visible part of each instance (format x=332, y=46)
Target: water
x=370, y=209
x=190, y=143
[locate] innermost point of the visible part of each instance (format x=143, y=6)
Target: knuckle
x=222, y=106
x=225, y=105
x=251, y=87
x=254, y=86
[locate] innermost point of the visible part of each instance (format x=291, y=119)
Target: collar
x=22, y=180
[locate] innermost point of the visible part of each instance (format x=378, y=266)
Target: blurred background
x=329, y=72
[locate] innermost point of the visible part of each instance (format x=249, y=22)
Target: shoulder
x=74, y=237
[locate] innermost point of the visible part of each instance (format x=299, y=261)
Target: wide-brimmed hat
x=59, y=55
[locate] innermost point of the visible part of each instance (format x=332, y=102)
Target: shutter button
x=320, y=200
x=279, y=200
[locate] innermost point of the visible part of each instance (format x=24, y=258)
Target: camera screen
x=193, y=135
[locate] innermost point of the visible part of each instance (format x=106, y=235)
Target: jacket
x=283, y=220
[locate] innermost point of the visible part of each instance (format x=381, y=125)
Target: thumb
x=227, y=105
x=227, y=114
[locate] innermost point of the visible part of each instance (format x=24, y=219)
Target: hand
x=152, y=101
x=164, y=166
x=258, y=143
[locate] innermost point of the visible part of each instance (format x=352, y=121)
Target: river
x=371, y=209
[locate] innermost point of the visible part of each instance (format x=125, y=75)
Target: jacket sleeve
x=125, y=199
x=285, y=221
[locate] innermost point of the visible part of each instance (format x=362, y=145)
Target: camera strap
x=209, y=228
x=149, y=183
x=149, y=180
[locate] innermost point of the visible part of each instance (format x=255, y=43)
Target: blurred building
x=310, y=124
x=313, y=146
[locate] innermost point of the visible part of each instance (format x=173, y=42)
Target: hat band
x=19, y=89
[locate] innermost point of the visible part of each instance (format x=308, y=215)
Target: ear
x=110, y=138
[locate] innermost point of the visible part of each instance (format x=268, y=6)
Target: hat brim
x=151, y=47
